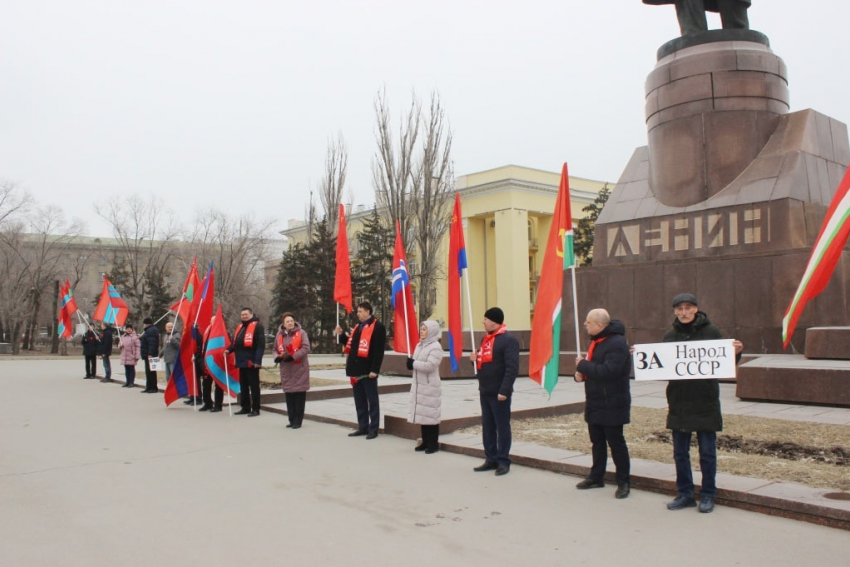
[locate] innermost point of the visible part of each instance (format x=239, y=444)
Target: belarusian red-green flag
x=825, y=255
x=546, y=328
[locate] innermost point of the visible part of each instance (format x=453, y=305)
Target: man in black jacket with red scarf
x=249, y=343
x=605, y=373
x=365, y=348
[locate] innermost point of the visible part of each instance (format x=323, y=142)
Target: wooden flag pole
x=575, y=315
x=471, y=326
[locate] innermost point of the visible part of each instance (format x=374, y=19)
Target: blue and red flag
x=204, y=308
x=68, y=306
x=457, y=264
x=405, y=335
x=110, y=307
x=225, y=374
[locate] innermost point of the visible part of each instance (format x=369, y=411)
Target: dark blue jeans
x=107, y=368
x=130, y=373
x=367, y=403
x=707, y=441
x=496, y=429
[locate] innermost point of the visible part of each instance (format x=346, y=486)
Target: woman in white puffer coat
x=425, y=389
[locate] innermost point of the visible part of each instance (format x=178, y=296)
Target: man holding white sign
x=694, y=404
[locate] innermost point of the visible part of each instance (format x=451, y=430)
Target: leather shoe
x=420, y=447
x=242, y=412
x=254, y=414
x=681, y=502
x=622, y=491
x=372, y=435
x=706, y=504
x=487, y=466
x=590, y=483
x=289, y=426
x=358, y=433
x=503, y=470
x=430, y=451
x=214, y=410
x=296, y=426
x=205, y=407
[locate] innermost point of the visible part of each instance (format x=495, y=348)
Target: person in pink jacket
x=129, y=346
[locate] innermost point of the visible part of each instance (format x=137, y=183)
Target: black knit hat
x=496, y=315
x=685, y=298
x=148, y=321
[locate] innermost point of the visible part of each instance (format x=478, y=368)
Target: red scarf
x=592, y=347
x=293, y=345
x=365, y=339
x=248, y=339
x=485, y=353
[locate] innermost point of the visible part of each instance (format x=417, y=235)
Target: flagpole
x=471, y=328
x=163, y=317
x=227, y=379
x=406, y=326
x=195, y=378
x=575, y=315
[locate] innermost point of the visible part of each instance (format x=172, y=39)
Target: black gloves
x=409, y=363
x=278, y=360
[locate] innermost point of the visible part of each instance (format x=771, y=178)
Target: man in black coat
x=497, y=362
x=104, y=349
x=605, y=373
x=694, y=406
x=149, y=348
x=365, y=348
x=249, y=344
x=90, y=346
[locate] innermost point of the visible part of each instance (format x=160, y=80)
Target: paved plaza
x=93, y=474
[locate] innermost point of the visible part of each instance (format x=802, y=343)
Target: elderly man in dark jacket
x=498, y=363
x=149, y=348
x=605, y=373
x=91, y=342
x=104, y=349
x=694, y=406
x=249, y=344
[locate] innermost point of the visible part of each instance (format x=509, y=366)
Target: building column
x=511, y=259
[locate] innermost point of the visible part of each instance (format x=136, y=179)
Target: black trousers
x=91, y=365
x=367, y=404
x=150, y=376
x=496, y=429
x=249, y=384
x=206, y=387
x=295, y=402
x=612, y=435
x=431, y=436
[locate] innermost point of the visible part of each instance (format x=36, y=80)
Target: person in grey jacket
x=425, y=388
x=170, y=348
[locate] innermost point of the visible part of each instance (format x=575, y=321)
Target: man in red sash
x=365, y=348
x=498, y=363
x=605, y=373
x=249, y=343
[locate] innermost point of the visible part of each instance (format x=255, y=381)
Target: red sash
x=293, y=345
x=592, y=347
x=248, y=339
x=365, y=339
x=485, y=353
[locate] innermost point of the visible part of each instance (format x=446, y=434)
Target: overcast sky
x=232, y=104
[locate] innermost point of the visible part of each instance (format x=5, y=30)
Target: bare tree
x=333, y=182
x=239, y=250
x=145, y=232
x=393, y=167
x=434, y=185
x=13, y=200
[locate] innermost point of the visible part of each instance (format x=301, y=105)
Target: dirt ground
x=813, y=454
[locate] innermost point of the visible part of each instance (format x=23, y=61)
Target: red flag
x=405, y=335
x=545, y=343
x=825, y=255
x=203, y=308
x=66, y=299
x=342, y=280
x=457, y=264
x=190, y=288
x=110, y=307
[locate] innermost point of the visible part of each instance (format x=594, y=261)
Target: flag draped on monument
x=546, y=329
x=825, y=255
x=342, y=278
x=110, y=307
x=457, y=264
x=405, y=335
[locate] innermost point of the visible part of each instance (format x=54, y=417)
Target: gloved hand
x=278, y=360
x=409, y=363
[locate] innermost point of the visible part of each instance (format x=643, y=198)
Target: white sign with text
x=684, y=361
